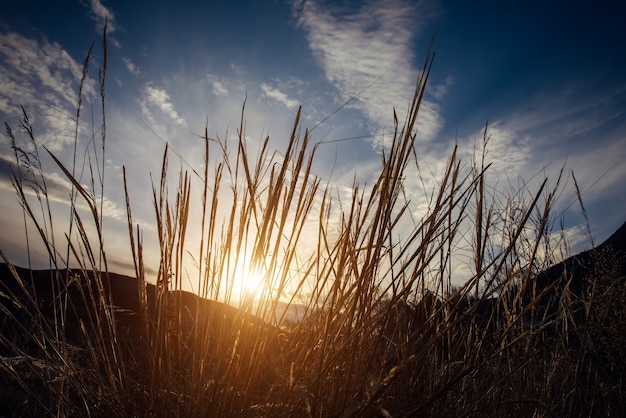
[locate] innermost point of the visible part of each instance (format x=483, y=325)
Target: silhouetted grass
x=384, y=333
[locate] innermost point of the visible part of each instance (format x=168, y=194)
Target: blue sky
x=549, y=78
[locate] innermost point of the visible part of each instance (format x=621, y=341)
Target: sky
x=548, y=77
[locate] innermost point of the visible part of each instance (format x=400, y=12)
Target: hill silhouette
x=606, y=258
x=33, y=298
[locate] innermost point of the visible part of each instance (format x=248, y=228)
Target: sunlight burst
x=248, y=280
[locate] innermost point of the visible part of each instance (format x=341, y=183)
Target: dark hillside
x=191, y=316
x=121, y=291
x=607, y=260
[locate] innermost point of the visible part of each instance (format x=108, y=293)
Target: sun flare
x=248, y=281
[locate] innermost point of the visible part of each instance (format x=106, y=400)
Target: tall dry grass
x=384, y=332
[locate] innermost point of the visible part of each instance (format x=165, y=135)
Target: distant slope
x=608, y=258
x=121, y=291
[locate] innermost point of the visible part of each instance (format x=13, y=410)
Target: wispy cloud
x=279, y=96
x=218, y=85
x=154, y=97
x=42, y=77
x=579, y=127
x=600, y=171
x=507, y=149
x=575, y=130
x=29, y=66
x=131, y=67
x=439, y=91
x=371, y=49
x=235, y=68
x=99, y=13
x=58, y=188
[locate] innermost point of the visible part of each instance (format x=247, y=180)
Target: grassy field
x=383, y=331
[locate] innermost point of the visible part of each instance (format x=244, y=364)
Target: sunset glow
x=173, y=71
x=248, y=281
x=312, y=208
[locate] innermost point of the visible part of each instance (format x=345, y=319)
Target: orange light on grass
x=248, y=280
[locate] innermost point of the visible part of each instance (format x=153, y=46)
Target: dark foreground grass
x=383, y=331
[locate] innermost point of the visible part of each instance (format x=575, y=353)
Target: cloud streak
x=153, y=97
x=43, y=78
x=370, y=53
x=57, y=188
x=218, y=85
x=100, y=13
x=279, y=96
x=131, y=66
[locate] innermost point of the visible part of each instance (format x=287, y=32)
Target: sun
x=248, y=281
